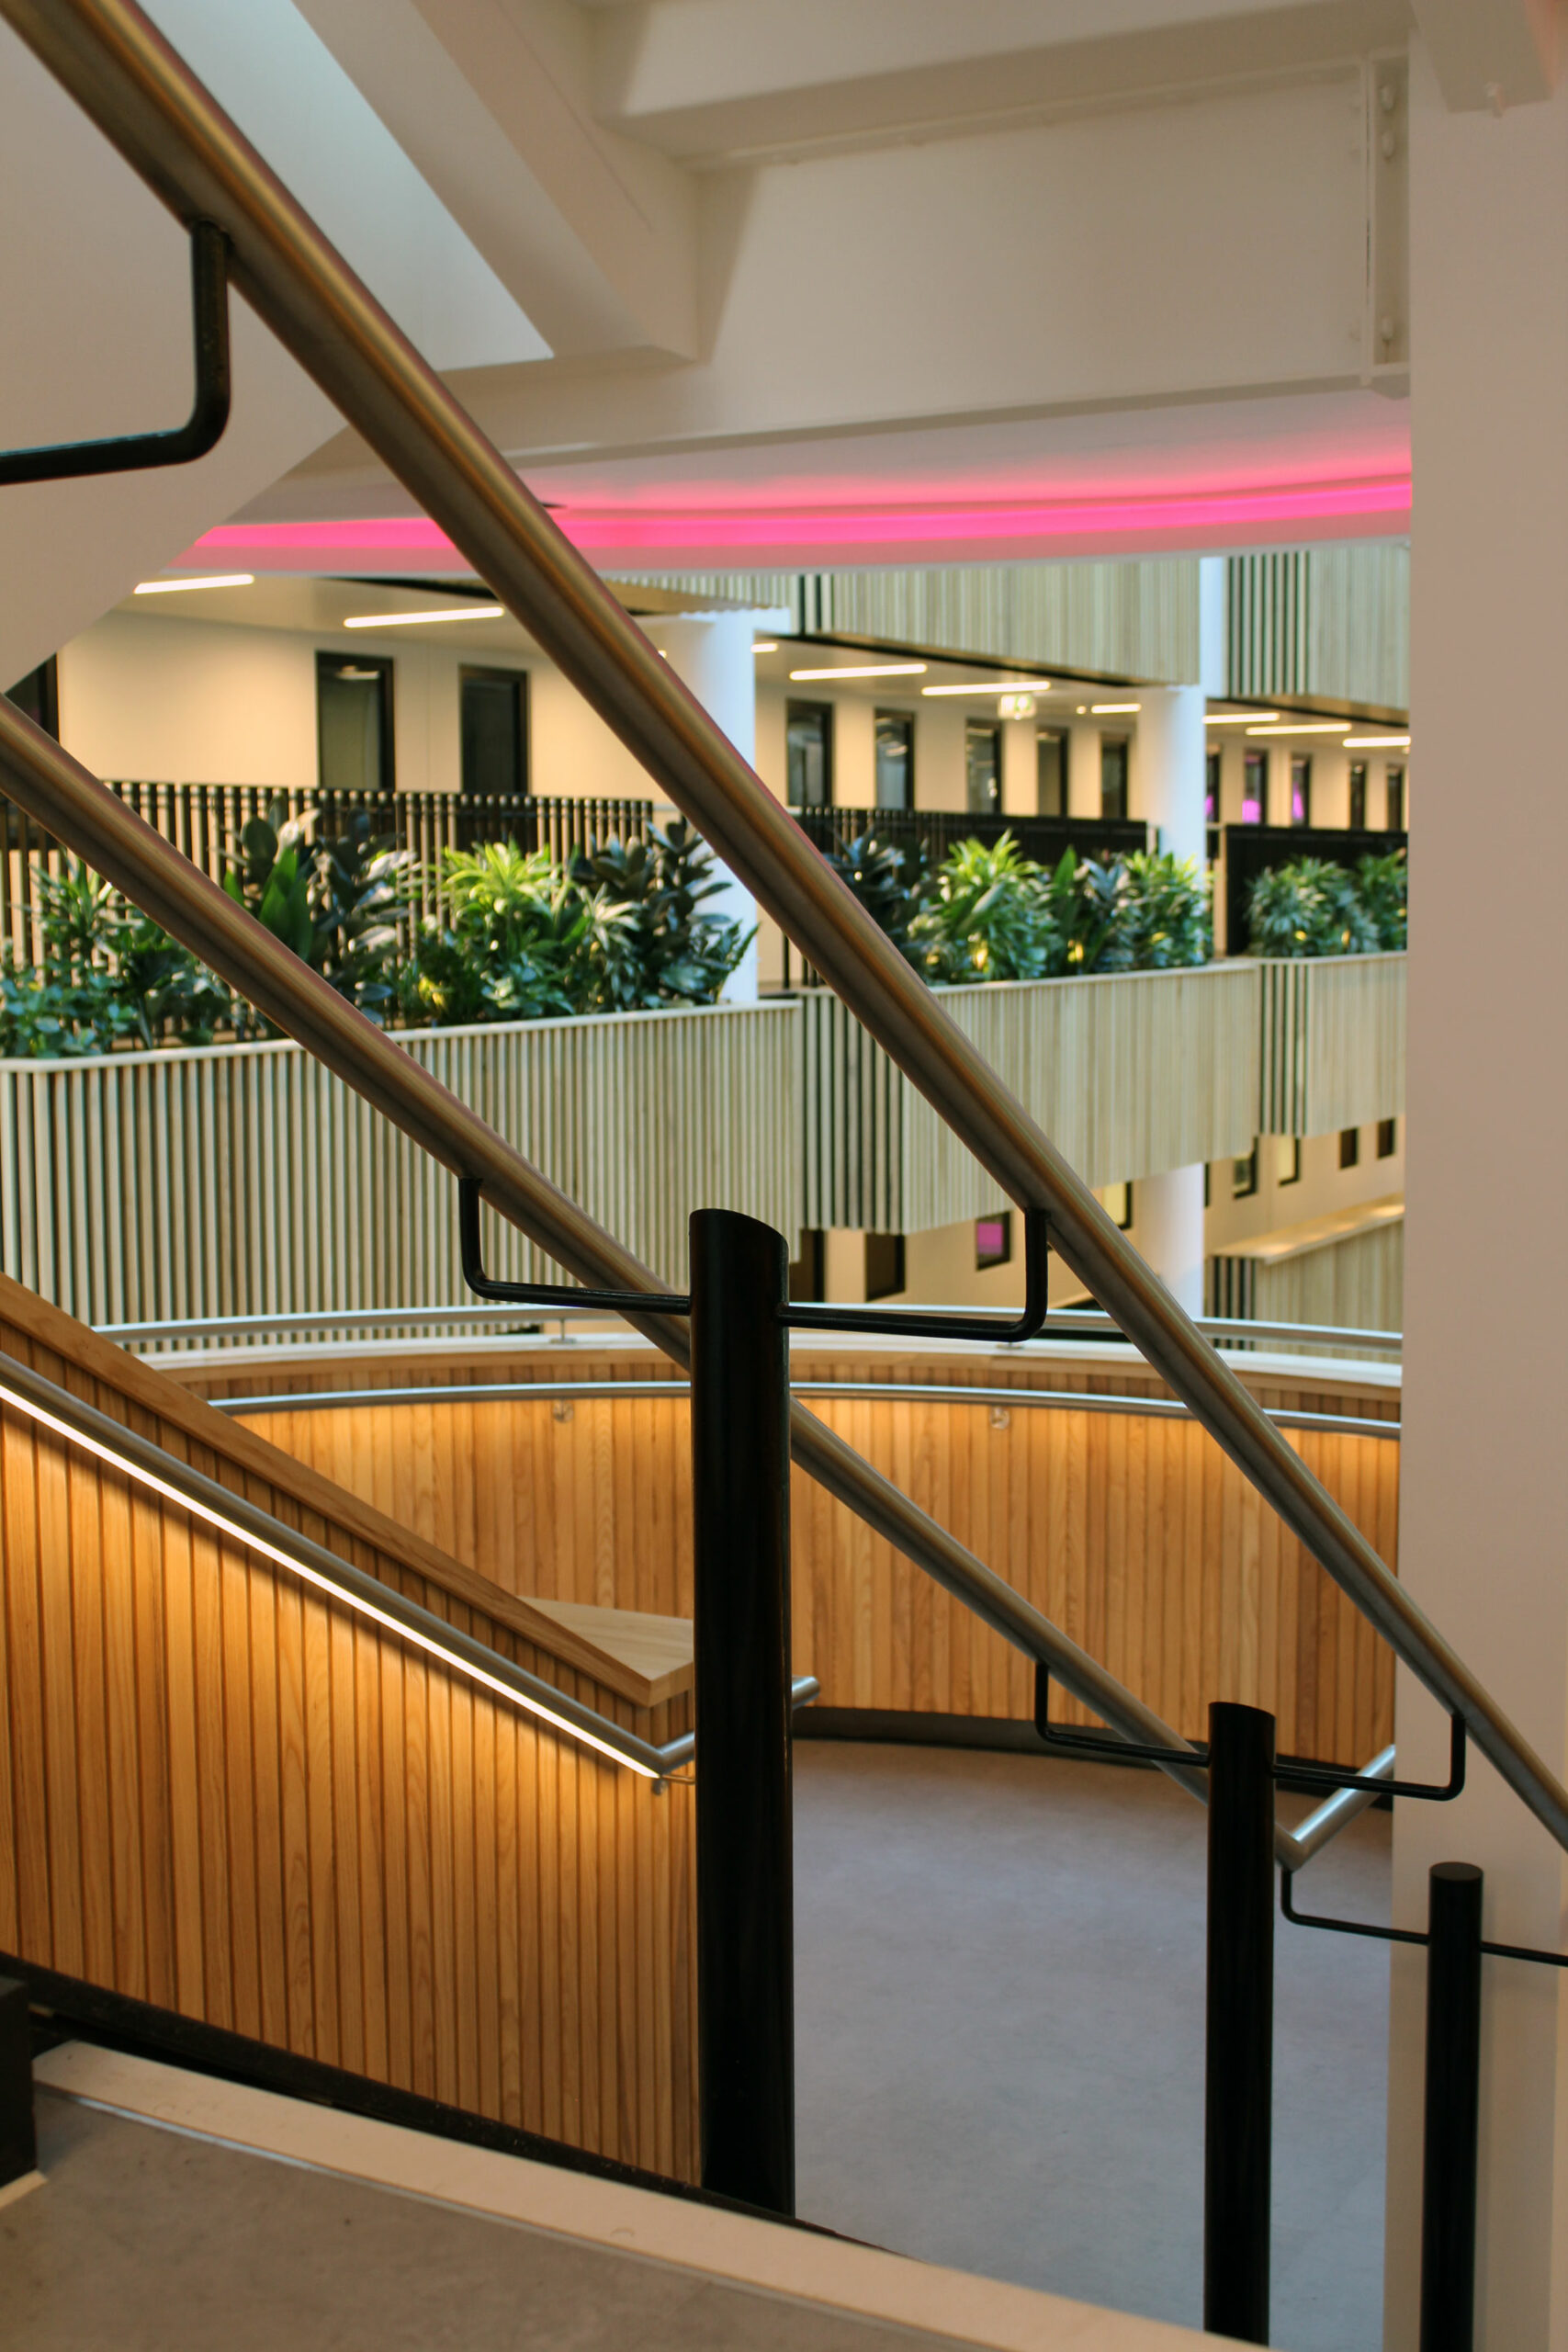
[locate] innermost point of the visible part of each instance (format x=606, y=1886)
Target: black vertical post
x=1453, y=2108
x=1239, y=2090
x=745, y=1858
x=18, y=2146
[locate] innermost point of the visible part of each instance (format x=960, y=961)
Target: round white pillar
x=1083, y=771
x=1172, y=768
x=711, y=653
x=1170, y=1231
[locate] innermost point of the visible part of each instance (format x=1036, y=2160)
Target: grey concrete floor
x=149, y=2240
x=999, y=2030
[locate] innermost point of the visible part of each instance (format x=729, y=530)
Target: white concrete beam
x=594, y=233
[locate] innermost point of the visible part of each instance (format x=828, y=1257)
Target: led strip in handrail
x=82, y=1425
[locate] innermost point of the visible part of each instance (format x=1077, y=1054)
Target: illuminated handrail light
x=420, y=620
x=867, y=670
x=210, y=579
x=994, y=686
x=125, y=1451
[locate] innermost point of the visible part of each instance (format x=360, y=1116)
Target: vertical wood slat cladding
x=220, y=1793
x=1134, y=1534
x=1129, y=1073
x=247, y=1180
x=1333, y=1042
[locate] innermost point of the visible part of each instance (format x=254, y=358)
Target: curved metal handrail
x=169, y=128
x=1068, y=1322
x=924, y=1392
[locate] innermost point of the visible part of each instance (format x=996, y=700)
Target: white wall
x=214, y=703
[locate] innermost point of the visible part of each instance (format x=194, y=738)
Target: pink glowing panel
x=1237, y=512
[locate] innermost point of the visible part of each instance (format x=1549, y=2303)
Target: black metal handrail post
x=1451, y=2151
x=740, y=1607
x=1239, y=2080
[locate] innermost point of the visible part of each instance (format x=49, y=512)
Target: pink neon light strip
x=742, y=527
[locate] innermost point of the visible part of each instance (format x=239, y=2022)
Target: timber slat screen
x=224, y=1794
x=247, y=1180
x=205, y=821
x=1134, y=1532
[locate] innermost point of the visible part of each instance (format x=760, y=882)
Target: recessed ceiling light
x=178, y=587
x=1111, y=709
x=868, y=669
x=1377, y=742
x=994, y=686
x=1307, y=727
x=418, y=620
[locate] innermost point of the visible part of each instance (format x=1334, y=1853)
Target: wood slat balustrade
x=223, y=1793
x=1134, y=1532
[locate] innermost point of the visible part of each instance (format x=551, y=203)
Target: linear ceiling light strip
x=135, y=1457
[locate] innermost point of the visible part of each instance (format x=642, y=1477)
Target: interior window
x=1255, y=789
x=895, y=759
x=1358, y=796
x=1114, y=776
x=983, y=768
x=494, y=731
x=808, y=729
x=1301, y=789
x=1051, y=772
x=353, y=722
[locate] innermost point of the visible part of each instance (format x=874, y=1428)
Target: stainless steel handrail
x=125, y=1450
x=925, y=1392
x=1064, y=1322
x=131, y=83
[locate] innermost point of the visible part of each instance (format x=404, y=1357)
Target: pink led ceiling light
x=869, y=529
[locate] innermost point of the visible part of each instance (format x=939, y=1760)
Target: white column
x=1171, y=757
x=712, y=654
x=1169, y=1219
x=1083, y=771
x=1481, y=1519
x=1169, y=794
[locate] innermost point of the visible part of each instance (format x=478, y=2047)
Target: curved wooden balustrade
x=1134, y=1532
x=224, y=1794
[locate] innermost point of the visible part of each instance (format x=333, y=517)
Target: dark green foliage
x=1309, y=908
x=1166, y=913
x=888, y=881
x=986, y=914
x=989, y=914
x=166, y=989
x=358, y=895
x=1384, y=885
x=651, y=943
x=272, y=880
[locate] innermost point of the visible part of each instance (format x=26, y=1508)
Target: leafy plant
x=43, y=1016
x=889, y=882
x=1166, y=913
x=651, y=942
x=1385, y=887
x=164, y=987
x=1309, y=908
x=271, y=879
x=986, y=915
x=358, y=895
